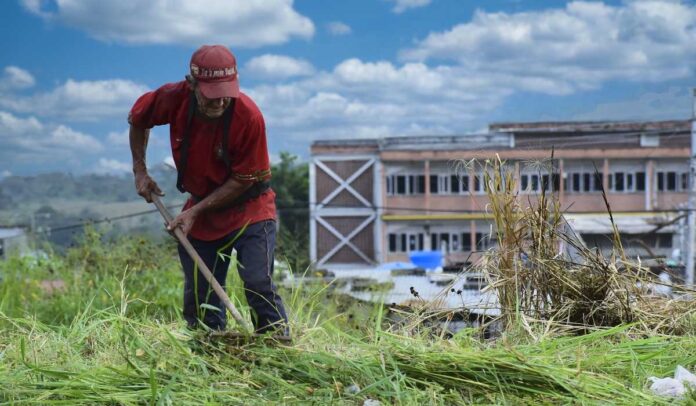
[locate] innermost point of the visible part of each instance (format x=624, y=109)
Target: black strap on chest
x=186, y=142
x=252, y=192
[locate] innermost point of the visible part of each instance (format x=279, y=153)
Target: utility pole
x=691, y=226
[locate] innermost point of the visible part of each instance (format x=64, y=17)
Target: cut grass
x=115, y=336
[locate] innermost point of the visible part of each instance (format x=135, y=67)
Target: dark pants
x=255, y=265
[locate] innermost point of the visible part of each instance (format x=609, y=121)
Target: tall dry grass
x=541, y=271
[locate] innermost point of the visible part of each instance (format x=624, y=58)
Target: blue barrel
x=426, y=259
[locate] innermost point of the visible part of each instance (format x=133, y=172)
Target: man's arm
x=144, y=184
x=220, y=198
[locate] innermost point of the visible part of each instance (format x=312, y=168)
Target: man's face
x=212, y=108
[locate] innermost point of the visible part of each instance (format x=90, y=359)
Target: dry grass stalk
x=535, y=275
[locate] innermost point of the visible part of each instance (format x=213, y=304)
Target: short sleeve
x=154, y=108
x=250, y=162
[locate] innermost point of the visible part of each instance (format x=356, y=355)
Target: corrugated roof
x=500, y=135
x=419, y=142
x=592, y=126
x=11, y=232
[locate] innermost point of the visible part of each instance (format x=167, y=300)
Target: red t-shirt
x=247, y=151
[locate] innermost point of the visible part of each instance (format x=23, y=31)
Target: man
x=218, y=142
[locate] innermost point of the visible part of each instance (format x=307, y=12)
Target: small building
x=375, y=200
x=13, y=241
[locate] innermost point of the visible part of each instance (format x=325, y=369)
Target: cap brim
x=216, y=90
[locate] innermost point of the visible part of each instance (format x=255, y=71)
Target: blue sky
x=71, y=69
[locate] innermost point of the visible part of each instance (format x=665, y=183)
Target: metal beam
x=344, y=184
x=691, y=226
x=345, y=240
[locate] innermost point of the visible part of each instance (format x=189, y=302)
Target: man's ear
x=191, y=82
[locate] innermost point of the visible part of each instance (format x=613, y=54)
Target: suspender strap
x=226, y=125
x=252, y=192
x=227, y=117
x=183, y=158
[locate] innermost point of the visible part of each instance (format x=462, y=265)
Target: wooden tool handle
x=201, y=265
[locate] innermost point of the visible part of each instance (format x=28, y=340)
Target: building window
x=478, y=184
x=400, y=185
x=448, y=184
x=585, y=182
x=672, y=181
x=640, y=181
x=455, y=183
x=576, y=186
x=444, y=184
x=466, y=241
x=535, y=183
x=420, y=184
x=451, y=242
x=598, y=185
x=465, y=183
x=482, y=241
x=405, y=185
x=434, y=185
x=405, y=242
x=619, y=181
x=628, y=182
x=664, y=240
x=455, y=242
x=444, y=241
x=660, y=181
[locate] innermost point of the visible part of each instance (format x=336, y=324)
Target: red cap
x=215, y=69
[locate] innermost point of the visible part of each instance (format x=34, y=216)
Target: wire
x=103, y=220
x=305, y=207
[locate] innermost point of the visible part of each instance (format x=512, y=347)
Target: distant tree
x=290, y=182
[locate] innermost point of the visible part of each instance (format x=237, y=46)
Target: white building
x=13, y=240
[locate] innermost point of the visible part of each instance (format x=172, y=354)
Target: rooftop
x=431, y=142
x=592, y=126
x=10, y=232
x=501, y=135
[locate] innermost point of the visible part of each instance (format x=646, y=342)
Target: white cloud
x=15, y=126
x=239, y=23
x=338, y=28
x=402, y=5
x=79, y=100
x=25, y=140
x=16, y=78
x=119, y=139
x=169, y=162
x=5, y=174
x=278, y=66
x=66, y=137
x=359, y=99
x=577, y=47
x=112, y=166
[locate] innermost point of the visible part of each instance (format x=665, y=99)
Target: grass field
x=111, y=333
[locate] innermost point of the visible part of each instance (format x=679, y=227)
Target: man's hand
x=145, y=186
x=184, y=220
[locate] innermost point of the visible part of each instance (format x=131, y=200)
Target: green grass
x=115, y=336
